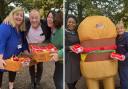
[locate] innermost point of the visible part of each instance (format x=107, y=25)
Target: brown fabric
x=98, y=57
x=98, y=43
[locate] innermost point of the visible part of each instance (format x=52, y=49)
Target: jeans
x=36, y=75
x=123, y=74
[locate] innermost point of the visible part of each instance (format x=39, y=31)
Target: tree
x=5, y=7
x=43, y=5
x=80, y=8
x=114, y=9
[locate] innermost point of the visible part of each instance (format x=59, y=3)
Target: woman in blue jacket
x=122, y=48
x=12, y=41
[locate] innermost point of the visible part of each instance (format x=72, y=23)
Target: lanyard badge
x=19, y=46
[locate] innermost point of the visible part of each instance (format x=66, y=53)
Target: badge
x=19, y=46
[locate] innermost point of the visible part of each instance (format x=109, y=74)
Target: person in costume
x=97, y=36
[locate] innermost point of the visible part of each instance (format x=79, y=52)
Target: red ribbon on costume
x=90, y=49
x=77, y=48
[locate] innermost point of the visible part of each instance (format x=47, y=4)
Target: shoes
x=9, y=88
x=37, y=83
x=32, y=86
x=12, y=88
x=37, y=86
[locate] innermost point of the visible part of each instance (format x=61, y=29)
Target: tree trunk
x=2, y=10
x=67, y=9
x=80, y=9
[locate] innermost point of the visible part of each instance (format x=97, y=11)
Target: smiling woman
x=16, y=18
x=13, y=42
x=122, y=48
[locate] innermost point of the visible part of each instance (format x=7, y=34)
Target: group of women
x=20, y=32
x=16, y=33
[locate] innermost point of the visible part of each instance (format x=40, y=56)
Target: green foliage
x=114, y=9
x=43, y=5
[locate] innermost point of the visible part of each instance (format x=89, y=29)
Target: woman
x=12, y=41
x=122, y=48
x=55, y=21
x=37, y=32
x=72, y=60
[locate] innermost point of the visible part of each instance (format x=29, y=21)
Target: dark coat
x=44, y=26
x=122, y=48
x=72, y=60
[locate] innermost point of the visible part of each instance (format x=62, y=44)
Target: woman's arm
x=59, y=55
x=60, y=51
x=4, y=36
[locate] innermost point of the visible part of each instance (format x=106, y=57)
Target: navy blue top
x=122, y=47
x=11, y=41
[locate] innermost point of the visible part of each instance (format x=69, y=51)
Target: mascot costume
x=97, y=36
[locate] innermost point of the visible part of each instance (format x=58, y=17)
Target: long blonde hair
x=11, y=20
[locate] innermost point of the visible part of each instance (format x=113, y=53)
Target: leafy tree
x=114, y=9
x=43, y=5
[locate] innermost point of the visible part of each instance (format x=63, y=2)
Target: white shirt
x=34, y=35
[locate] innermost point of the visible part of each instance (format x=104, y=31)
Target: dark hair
x=57, y=18
x=71, y=16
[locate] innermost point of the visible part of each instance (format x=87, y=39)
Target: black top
x=72, y=60
x=44, y=26
x=71, y=38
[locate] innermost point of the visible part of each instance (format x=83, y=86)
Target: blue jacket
x=11, y=41
x=122, y=48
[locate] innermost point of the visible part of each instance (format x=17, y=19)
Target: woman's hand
x=27, y=53
x=70, y=47
x=2, y=63
x=55, y=56
x=6, y=20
